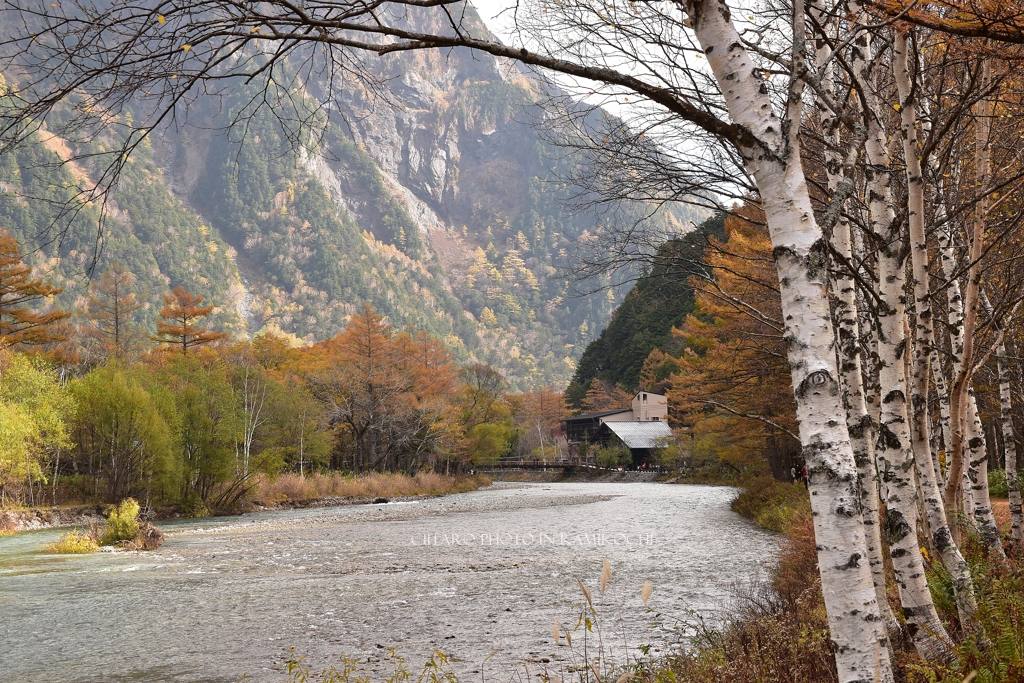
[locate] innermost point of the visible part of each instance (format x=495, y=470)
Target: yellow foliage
x=122, y=524
x=487, y=317
x=73, y=543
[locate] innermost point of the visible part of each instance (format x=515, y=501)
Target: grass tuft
x=73, y=543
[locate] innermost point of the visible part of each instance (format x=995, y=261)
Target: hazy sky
x=489, y=11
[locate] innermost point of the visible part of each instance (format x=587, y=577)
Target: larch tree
x=110, y=313
x=732, y=383
x=600, y=397
x=19, y=292
x=389, y=396
x=181, y=321
x=539, y=416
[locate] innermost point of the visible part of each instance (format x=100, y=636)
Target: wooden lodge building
x=642, y=427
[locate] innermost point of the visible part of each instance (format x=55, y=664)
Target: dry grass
x=780, y=632
x=291, y=488
x=1001, y=509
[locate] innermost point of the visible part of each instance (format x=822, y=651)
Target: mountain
x=439, y=206
x=643, y=322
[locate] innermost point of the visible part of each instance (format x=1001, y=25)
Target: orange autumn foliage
x=19, y=324
x=179, y=323
x=387, y=394
x=602, y=397
x=733, y=387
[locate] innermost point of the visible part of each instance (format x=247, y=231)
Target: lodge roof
x=640, y=434
x=600, y=413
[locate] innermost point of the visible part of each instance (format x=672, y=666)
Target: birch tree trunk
x=1006, y=426
x=774, y=162
x=955, y=322
x=965, y=425
x=977, y=474
x=1010, y=449
x=931, y=497
x=894, y=452
x=942, y=396
x=858, y=420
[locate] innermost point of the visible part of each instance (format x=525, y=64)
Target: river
x=474, y=575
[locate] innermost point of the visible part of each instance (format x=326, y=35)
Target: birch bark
x=966, y=429
x=977, y=474
x=942, y=395
x=955, y=324
x=1009, y=437
x=775, y=164
x=893, y=452
x=931, y=497
x=1010, y=450
x=858, y=420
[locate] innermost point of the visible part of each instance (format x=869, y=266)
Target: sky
x=490, y=10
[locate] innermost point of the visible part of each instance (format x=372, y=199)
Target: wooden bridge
x=534, y=465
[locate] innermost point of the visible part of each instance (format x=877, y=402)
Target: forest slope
x=441, y=207
x=643, y=322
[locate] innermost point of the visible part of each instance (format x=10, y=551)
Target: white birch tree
x=728, y=78
x=740, y=113
x=894, y=453
x=924, y=342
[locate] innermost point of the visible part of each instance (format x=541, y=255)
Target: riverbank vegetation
x=95, y=408
x=728, y=381
x=73, y=543
x=123, y=529
x=293, y=489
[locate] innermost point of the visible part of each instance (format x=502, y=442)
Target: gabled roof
x=600, y=413
x=649, y=393
x=640, y=434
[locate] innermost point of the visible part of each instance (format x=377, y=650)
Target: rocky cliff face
x=437, y=204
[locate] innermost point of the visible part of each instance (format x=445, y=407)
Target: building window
x=656, y=419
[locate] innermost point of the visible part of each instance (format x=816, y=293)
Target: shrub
x=772, y=504
x=614, y=456
x=122, y=524
x=193, y=506
x=73, y=543
x=997, y=484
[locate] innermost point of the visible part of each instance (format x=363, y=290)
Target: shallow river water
x=471, y=575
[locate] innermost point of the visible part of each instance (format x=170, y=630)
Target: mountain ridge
x=443, y=212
